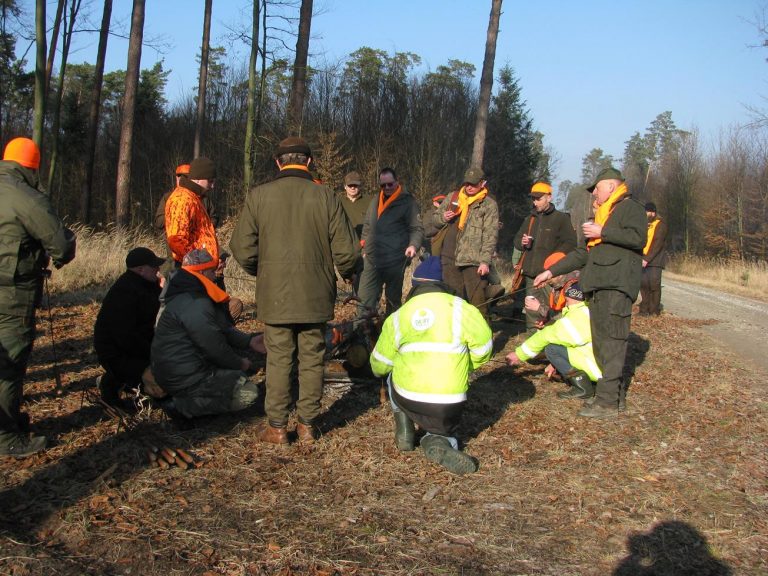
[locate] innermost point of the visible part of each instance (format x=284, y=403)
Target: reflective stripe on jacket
x=430, y=345
x=572, y=331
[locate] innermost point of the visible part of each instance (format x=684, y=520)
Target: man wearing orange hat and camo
x=469, y=223
x=546, y=230
x=32, y=236
x=197, y=354
x=611, y=266
x=290, y=233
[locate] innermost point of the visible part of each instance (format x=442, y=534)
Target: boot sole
x=454, y=460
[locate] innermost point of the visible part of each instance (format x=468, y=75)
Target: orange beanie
x=24, y=151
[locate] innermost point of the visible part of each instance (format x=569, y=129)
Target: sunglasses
x=353, y=185
x=388, y=184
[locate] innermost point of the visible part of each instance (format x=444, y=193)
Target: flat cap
x=293, y=144
x=609, y=173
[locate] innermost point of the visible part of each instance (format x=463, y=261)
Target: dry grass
x=748, y=279
x=678, y=482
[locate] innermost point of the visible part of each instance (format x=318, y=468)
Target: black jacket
x=125, y=324
x=552, y=231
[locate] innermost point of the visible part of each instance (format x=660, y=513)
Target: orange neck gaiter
x=384, y=202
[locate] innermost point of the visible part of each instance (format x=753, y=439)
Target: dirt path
x=741, y=324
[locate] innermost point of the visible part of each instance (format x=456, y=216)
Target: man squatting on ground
x=32, y=235
x=290, y=233
x=194, y=351
x=567, y=344
x=426, y=350
x=125, y=325
x=546, y=230
x=611, y=266
x=654, y=259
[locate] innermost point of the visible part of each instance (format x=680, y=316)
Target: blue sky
x=592, y=72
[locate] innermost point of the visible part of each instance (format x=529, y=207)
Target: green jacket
x=475, y=244
x=356, y=211
x=431, y=344
x=386, y=237
x=289, y=234
x=574, y=332
x=30, y=231
x=193, y=337
x=617, y=262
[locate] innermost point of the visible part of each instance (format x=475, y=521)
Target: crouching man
x=194, y=356
x=567, y=343
x=427, y=349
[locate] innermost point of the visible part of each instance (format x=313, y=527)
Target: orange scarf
x=384, y=203
x=604, y=212
x=294, y=167
x=651, y=231
x=214, y=292
x=465, y=201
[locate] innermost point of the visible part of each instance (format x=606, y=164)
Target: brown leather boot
x=273, y=434
x=307, y=433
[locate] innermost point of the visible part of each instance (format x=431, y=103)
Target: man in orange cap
x=545, y=231
x=32, y=236
x=159, y=221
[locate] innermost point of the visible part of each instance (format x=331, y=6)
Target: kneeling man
x=195, y=356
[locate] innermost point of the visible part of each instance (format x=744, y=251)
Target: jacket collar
x=295, y=174
x=185, y=182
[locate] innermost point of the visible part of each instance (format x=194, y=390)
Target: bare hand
x=526, y=241
x=550, y=371
x=449, y=215
x=512, y=359
x=645, y=263
x=410, y=252
x=592, y=230
x=257, y=344
x=532, y=303
x=542, y=278
x=483, y=270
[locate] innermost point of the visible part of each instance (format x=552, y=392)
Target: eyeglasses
x=353, y=185
x=534, y=198
x=388, y=184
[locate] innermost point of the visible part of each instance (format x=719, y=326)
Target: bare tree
x=203, y=80
x=39, y=119
x=122, y=196
x=299, y=85
x=93, y=114
x=54, y=40
x=486, y=84
x=249, y=125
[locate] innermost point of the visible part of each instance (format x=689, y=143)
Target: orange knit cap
x=182, y=169
x=553, y=259
x=24, y=151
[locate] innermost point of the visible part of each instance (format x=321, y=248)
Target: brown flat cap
x=202, y=168
x=293, y=144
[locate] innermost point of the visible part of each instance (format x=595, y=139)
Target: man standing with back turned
x=290, y=233
x=31, y=233
x=610, y=279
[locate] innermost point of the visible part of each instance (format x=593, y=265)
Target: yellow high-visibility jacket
x=430, y=345
x=573, y=331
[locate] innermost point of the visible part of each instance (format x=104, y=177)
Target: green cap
x=609, y=173
x=473, y=175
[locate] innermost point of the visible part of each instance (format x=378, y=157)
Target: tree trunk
x=39, y=119
x=299, y=85
x=122, y=195
x=249, y=132
x=201, y=88
x=54, y=40
x=486, y=84
x=93, y=115
x=263, y=74
x=69, y=24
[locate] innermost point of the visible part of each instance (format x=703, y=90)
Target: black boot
x=109, y=389
x=405, y=432
x=581, y=386
x=438, y=449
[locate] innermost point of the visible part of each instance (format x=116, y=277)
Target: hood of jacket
x=31, y=177
x=184, y=283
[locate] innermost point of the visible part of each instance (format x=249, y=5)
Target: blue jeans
x=558, y=357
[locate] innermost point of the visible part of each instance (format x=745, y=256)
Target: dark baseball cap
x=474, y=175
x=143, y=257
x=609, y=173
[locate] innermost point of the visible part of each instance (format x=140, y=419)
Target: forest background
x=369, y=109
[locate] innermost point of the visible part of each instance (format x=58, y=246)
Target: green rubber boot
x=439, y=450
x=405, y=432
x=581, y=386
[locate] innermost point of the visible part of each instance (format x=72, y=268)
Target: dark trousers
x=650, y=290
x=467, y=284
x=557, y=355
x=440, y=419
x=374, y=278
x=286, y=344
x=126, y=370
x=610, y=314
x=16, y=336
